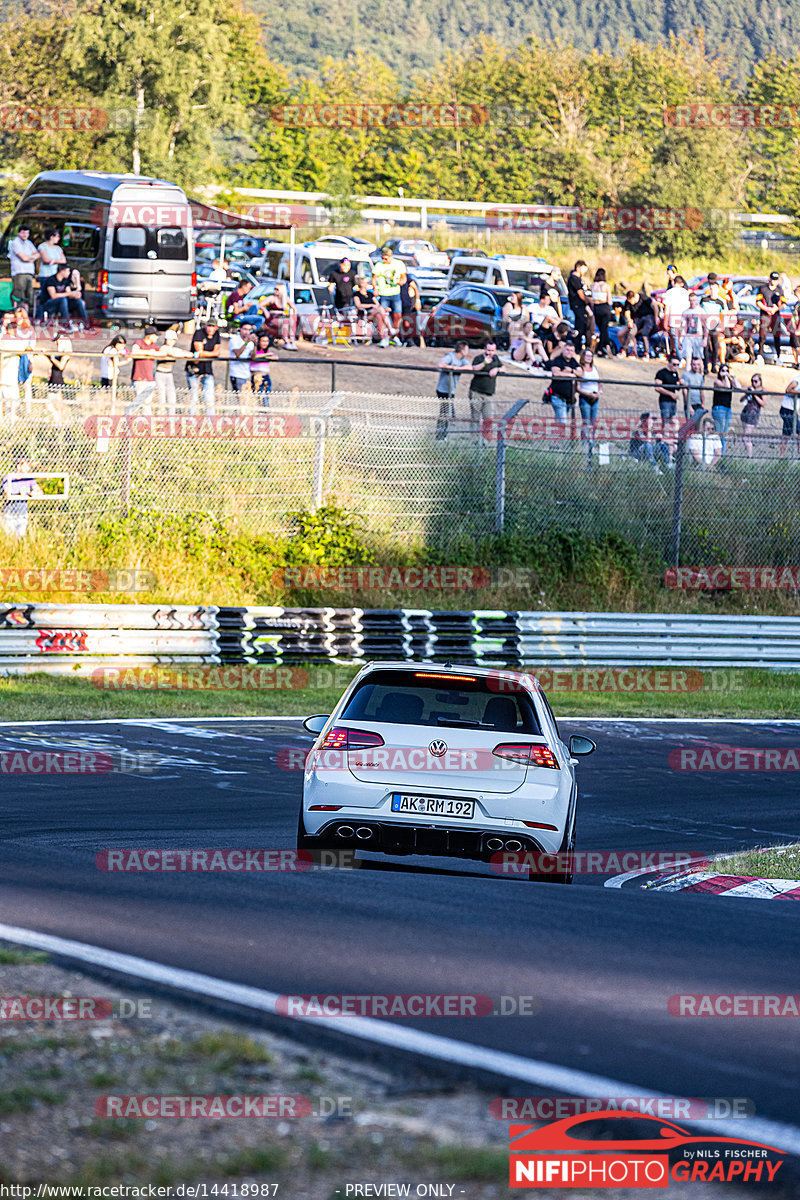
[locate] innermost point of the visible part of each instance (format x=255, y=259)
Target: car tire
x=567, y=847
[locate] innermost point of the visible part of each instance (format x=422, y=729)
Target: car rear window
x=469, y=702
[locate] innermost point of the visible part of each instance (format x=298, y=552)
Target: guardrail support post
x=500, y=470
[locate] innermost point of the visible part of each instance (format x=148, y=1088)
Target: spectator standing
x=513, y=313
x=790, y=414
x=341, y=285
x=260, y=377
x=240, y=349
x=16, y=489
x=627, y=339
x=144, y=352
x=752, y=402
x=110, y=359
x=51, y=257
x=551, y=287
x=768, y=301
x=165, y=378
x=454, y=363
x=387, y=277
x=411, y=327
x=675, y=301
x=23, y=256
x=793, y=327
x=589, y=388
x=486, y=366
x=601, y=307
x=693, y=381
x=693, y=331
x=205, y=346
x=580, y=303
x=565, y=369
x=667, y=385
x=721, y=408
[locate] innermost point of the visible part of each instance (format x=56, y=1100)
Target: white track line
x=564, y=1080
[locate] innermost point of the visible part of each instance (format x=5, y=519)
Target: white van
x=518, y=271
x=313, y=263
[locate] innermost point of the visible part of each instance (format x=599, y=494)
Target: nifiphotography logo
x=648, y=1154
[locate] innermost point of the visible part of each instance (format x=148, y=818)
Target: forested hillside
x=413, y=35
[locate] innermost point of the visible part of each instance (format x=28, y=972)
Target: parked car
x=472, y=312
x=362, y=245
x=516, y=271
x=464, y=251
x=416, y=252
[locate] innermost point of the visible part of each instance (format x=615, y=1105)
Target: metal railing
x=84, y=639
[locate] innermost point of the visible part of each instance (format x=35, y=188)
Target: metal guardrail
x=79, y=639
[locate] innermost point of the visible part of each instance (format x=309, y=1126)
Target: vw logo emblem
x=437, y=749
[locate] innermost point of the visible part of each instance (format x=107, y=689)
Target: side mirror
x=317, y=724
x=579, y=745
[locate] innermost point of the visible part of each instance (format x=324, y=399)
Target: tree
x=175, y=67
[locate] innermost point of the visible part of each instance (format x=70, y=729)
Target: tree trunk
x=137, y=129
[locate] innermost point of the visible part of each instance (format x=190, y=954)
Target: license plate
x=130, y=302
x=433, y=806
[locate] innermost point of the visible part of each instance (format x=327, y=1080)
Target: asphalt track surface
x=602, y=963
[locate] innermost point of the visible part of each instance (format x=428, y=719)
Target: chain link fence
x=385, y=457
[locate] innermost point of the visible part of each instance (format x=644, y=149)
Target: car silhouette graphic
x=562, y=1136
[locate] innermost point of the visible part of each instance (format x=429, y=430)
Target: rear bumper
x=388, y=837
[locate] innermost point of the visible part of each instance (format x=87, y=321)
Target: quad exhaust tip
x=514, y=845
x=363, y=833
x=494, y=843
x=345, y=831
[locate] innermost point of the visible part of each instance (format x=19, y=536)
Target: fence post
x=126, y=449
x=319, y=463
x=688, y=427
x=500, y=470
x=500, y=480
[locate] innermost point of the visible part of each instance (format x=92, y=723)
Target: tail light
x=102, y=283
x=340, y=738
x=527, y=753
x=194, y=285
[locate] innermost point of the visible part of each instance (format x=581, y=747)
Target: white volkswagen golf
x=455, y=762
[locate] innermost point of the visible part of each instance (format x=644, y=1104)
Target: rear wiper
x=458, y=723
